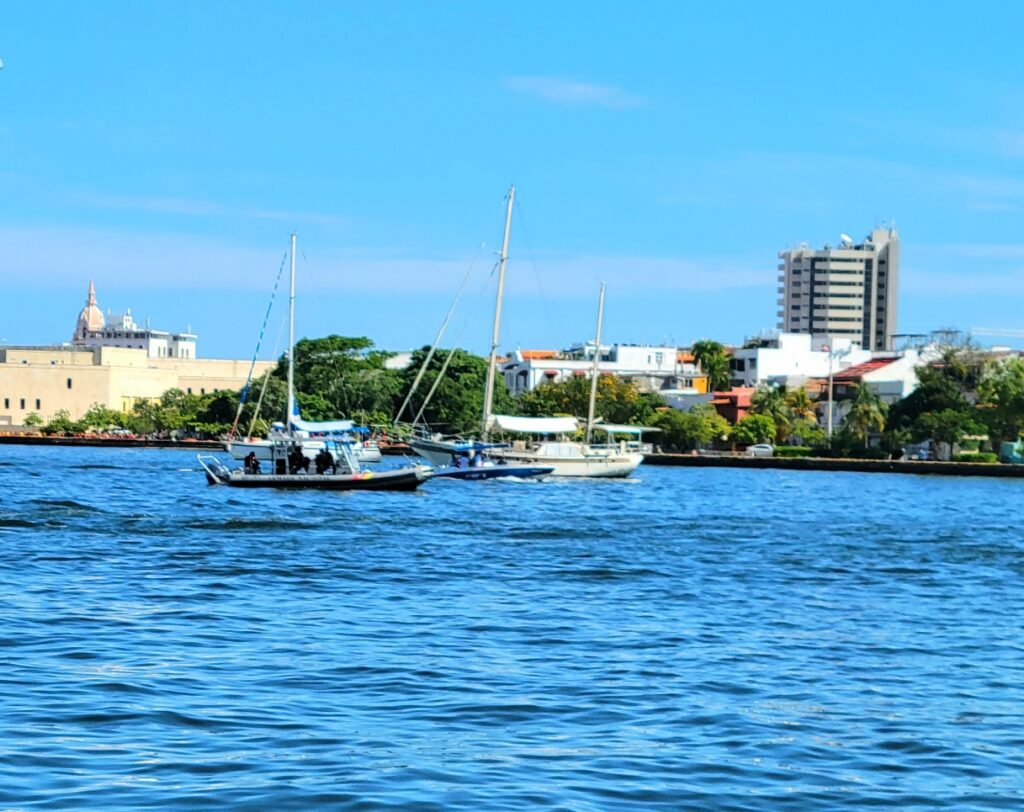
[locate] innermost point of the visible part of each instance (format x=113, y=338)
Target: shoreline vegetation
x=659, y=458
x=965, y=406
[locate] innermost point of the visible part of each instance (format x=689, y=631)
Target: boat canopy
x=324, y=427
x=617, y=428
x=534, y=425
x=471, y=445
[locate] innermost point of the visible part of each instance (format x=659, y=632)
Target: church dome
x=91, y=318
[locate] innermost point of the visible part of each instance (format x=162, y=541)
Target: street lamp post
x=828, y=415
x=832, y=354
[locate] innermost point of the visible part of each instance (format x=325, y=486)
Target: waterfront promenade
x=830, y=464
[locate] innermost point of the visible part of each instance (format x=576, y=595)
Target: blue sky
x=168, y=149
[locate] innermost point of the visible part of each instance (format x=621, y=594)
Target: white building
x=791, y=358
x=846, y=292
x=93, y=330
x=650, y=367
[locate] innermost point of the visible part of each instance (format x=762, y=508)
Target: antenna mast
x=291, y=345
x=495, y=335
x=597, y=361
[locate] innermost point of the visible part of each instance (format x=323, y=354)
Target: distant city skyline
x=168, y=151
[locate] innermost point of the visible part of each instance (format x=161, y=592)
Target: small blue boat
x=471, y=461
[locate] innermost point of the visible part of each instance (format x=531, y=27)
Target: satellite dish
x=846, y=238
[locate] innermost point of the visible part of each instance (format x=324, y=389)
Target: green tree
x=61, y=423
x=949, y=383
x=33, y=419
x=1001, y=401
x=867, y=414
x=770, y=401
x=337, y=376
x=616, y=401
x=100, y=418
x=684, y=431
x=752, y=429
x=800, y=405
x=713, y=361
x=808, y=433
x=948, y=426
x=457, y=406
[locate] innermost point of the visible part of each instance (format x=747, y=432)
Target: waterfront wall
x=826, y=464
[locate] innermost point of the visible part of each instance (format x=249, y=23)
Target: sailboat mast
x=597, y=361
x=291, y=344
x=495, y=335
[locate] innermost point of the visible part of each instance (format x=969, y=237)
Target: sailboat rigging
x=290, y=447
x=562, y=456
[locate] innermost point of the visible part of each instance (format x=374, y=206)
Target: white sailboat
x=565, y=456
x=340, y=437
x=569, y=457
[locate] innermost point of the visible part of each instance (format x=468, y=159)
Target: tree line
x=962, y=395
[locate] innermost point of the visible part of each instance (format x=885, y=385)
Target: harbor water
x=687, y=638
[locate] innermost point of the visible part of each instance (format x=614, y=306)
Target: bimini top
x=324, y=427
x=474, y=445
x=617, y=428
x=534, y=425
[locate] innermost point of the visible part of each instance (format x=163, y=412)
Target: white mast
x=291, y=345
x=597, y=361
x=489, y=391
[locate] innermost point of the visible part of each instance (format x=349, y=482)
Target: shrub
x=792, y=451
x=985, y=457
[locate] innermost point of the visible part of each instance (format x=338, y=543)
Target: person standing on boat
x=252, y=465
x=325, y=460
x=297, y=461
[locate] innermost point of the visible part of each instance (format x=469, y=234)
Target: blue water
x=687, y=639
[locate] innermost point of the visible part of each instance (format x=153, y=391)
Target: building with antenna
x=849, y=291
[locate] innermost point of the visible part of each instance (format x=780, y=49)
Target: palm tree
x=771, y=402
x=713, y=362
x=800, y=405
x=867, y=413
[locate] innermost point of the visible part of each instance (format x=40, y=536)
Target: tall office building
x=849, y=291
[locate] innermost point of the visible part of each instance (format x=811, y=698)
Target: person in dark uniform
x=325, y=460
x=297, y=461
x=252, y=465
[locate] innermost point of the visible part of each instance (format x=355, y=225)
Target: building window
x=202, y=391
x=69, y=383
x=39, y=404
x=190, y=390
x=7, y=403
x=23, y=403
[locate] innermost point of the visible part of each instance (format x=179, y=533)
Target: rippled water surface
x=688, y=638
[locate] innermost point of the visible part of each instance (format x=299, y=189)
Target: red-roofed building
x=733, y=404
x=892, y=378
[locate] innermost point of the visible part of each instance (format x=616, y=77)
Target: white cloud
x=60, y=257
x=189, y=207
x=572, y=92
x=946, y=284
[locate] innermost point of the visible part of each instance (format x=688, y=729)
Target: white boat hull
x=594, y=465
x=240, y=449
x=437, y=452
x=568, y=459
